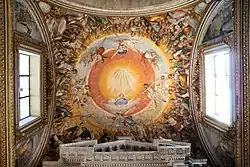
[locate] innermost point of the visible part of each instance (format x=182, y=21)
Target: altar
x=125, y=152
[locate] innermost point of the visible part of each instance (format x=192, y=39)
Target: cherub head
x=121, y=95
x=86, y=87
x=154, y=54
x=170, y=90
x=74, y=71
x=146, y=85
x=84, y=100
x=170, y=76
x=117, y=114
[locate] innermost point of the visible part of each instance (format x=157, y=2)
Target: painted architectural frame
x=7, y=139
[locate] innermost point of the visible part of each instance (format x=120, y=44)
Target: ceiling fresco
x=24, y=21
x=222, y=23
x=123, y=75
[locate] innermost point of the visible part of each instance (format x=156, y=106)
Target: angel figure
x=75, y=77
x=181, y=78
x=123, y=46
x=98, y=55
x=154, y=60
x=162, y=85
x=151, y=93
x=86, y=91
x=152, y=57
x=121, y=49
x=68, y=28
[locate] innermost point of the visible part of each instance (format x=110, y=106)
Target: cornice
x=148, y=10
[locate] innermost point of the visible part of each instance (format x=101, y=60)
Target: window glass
x=218, y=86
x=23, y=86
x=23, y=64
x=24, y=107
x=209, y=71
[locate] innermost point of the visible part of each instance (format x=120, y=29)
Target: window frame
x=23, y=42
x=31, y=115
x=204, y=117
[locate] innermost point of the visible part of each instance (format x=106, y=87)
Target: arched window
x=29, y=85
x=218, y=85
x=29, y=82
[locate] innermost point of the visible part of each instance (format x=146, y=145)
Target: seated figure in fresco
x=152, y=57
x=121, y=49
x=86, y=91
x=70, y=134
x=85, y=134
x=121, y=105
x=121, y=100
x=105, y=136
x=61, y=113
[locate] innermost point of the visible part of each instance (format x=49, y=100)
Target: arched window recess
x=30, y=85
x=216, y=70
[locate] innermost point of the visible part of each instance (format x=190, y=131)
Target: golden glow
x=127, y=66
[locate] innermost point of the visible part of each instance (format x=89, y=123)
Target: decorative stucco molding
x=242, y=47
x=139, y=11
x=6, y=85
